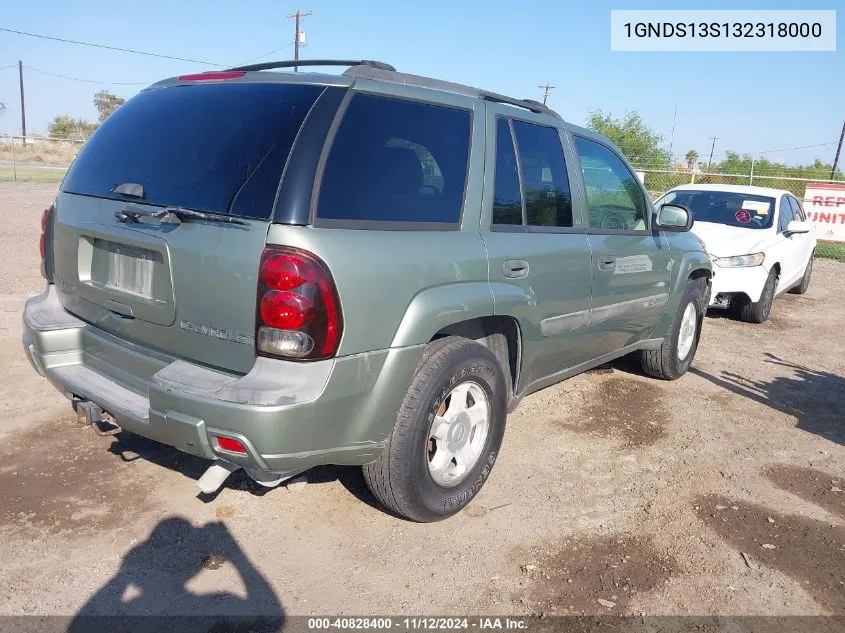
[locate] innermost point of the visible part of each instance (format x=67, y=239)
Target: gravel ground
x=720, y=493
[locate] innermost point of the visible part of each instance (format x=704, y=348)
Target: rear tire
x=758, y=311
x=801, y=288
x=674, y=357
x=412, y=477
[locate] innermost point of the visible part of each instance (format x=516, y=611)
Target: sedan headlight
x=740, y=261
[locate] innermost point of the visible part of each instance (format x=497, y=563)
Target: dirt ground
x=721, y=493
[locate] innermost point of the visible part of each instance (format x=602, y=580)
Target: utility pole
x=838, y=149
x=672, y=138
x=297, y=17
x=712, y=147
x=547, y=90
x=23, y=106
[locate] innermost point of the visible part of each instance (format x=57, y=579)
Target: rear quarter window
x=218, y=148
x=396, y=161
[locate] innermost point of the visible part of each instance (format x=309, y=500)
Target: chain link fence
x=658, y=181
x=36, y=158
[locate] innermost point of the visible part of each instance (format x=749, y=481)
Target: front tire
x=447, y=433
x=674, y=357
x=802, y=288
x=758, y=311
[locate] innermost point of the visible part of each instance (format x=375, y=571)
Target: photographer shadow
x=150, y=590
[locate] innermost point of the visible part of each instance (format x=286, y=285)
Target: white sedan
x=759, y=239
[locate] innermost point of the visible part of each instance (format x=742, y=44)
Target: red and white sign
x=824, y=204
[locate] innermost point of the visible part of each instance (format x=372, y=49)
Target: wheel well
x=698, y=273
x=499, y=334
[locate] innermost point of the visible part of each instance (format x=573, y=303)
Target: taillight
x=46, y=217
x=286, y=310
x=298, y=312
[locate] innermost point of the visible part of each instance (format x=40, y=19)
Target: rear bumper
x=738, y=281
x=288, y=415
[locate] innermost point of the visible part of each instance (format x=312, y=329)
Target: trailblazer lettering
x=218, y=333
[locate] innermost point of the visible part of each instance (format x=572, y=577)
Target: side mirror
x=798, y=226
x=673, y=217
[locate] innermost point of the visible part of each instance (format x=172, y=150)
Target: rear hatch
x=185, y=287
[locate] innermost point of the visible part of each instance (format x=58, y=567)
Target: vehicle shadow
x=150, y=590
x=815, y=397
x=731, y=313
x=130, y=447
x=351, y=478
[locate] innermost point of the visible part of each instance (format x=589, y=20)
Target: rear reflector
x=213, y=76
x=228, y=444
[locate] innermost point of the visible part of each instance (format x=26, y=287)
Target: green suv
x=277, y=270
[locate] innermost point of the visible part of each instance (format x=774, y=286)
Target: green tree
x=66, y=127
x=632, y=135
x=691, y=158
x=106, y=103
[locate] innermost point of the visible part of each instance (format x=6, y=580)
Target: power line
x=9, y=66
x=89, y=81
x=249, y=61
x=789, y=149
x=111, y=48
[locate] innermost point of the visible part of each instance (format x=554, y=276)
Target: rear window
x=396, y=161
x=725, y=207
x=218, y=148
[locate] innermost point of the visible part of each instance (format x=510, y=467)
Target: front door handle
x=515, y=268
x=606, y=262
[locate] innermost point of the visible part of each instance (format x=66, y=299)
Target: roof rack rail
x=529, y=104
x=315, y=62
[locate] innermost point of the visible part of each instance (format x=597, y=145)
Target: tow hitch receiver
x=92, y=415
x=87, y=412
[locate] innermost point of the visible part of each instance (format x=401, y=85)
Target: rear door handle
x=607, y=263
x=515, y=268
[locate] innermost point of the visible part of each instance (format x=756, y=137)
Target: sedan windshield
x=725, y=207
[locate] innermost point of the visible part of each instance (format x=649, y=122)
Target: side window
x=614, y=198
x=786, y=214
x=507, y=197
x=396, y=161
x=545, y=183
x=797, y=209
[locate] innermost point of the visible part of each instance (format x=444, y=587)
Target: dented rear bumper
x=288, y=415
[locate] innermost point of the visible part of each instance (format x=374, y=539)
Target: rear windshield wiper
x=174, y=215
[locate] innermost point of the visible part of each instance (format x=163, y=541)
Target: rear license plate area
x=125, y=268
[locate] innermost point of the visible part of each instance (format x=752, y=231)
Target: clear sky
x=752, y=101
